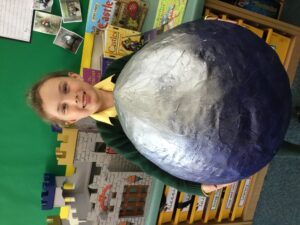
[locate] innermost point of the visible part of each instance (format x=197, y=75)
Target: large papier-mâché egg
x=207, y=102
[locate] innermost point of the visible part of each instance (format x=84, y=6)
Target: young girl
x=63, y=99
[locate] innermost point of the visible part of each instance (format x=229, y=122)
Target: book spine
x=197, y=209
x=212, y=206
x=167, y=213
x=241, y=199
x=227, y=201
x=182, y=212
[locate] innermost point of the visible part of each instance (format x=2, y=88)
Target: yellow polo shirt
x=103, y=116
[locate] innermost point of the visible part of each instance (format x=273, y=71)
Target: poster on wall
x=16, y=18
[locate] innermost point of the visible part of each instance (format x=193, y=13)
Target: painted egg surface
x=207, y=102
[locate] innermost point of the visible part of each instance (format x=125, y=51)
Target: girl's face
x=69, y=98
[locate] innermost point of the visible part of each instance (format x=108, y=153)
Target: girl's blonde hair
x=35, y=101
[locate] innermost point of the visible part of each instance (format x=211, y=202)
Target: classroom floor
x=290, y=15
x=279, y=203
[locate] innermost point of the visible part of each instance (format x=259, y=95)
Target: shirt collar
x=104, y=115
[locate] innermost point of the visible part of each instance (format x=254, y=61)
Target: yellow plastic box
x=279, y=42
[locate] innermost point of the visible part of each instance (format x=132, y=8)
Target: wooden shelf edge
x=292, y=59
x=252, y=16
x=293, y=55
x=253, y=195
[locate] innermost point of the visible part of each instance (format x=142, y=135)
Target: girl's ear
x=75, y=75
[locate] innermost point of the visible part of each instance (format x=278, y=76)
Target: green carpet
x=280, y=198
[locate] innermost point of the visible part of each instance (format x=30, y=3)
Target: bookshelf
x=288, y=48
x=262, y=22
x=243, y=216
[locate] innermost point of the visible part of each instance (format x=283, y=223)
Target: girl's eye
x=65, y=88
x=64, y=108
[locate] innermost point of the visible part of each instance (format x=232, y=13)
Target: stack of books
x=112, y=31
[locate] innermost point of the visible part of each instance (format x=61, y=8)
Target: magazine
x=170, y=13
x=129, y=14
x=119, y=42
x=99, y=14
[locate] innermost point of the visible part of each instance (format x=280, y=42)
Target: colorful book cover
x=91, y=76
x=129, y=14
x=169, y=12
x=168, y=209
x=100, y=14
x=197, y=209
x=184, y=203
x=120, y=42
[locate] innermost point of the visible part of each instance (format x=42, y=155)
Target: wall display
x=16, y=19
x=68, y=40
x=70, y=11
x=43, y=5
x=46, y=23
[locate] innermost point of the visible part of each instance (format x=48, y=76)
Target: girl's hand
x=208, y=188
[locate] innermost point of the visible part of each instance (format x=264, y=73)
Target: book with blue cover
x=100, y=14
